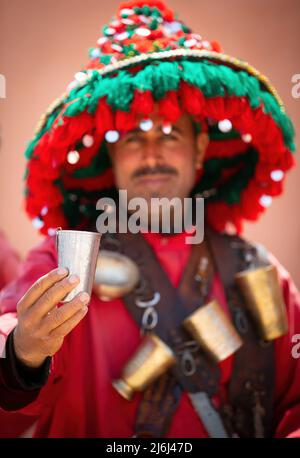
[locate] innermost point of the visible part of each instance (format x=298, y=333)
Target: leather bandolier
x=247, y=412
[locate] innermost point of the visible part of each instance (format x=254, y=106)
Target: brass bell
x=116, y=275
x=212, y=329
x=151, y=359
x=264, y=299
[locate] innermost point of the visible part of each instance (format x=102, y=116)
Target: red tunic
x=79, y=400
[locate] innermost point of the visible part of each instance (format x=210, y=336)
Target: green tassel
x=159, y=77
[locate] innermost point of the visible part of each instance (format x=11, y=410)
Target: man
x=158, y=112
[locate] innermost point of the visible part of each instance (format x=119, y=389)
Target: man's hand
x=42, y=325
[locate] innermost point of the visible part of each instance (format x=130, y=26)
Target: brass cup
x=264, y=299
x=151, y=359
x=212, y=329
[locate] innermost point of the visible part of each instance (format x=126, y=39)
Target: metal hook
x=145, y=304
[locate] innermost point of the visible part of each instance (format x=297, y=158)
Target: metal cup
x=212, y=329
x=78, y=252
x=264, y=299
x=151, y=359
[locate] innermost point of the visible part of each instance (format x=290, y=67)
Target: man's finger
x=52, y=297
x=41, y=286
x=65, y=328
x=62, y=314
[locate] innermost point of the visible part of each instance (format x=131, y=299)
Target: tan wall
x=44, y=42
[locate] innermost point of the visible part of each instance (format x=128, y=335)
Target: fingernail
x=84, y=297
x=73, y=279
x=84, y=309
x=62, y=271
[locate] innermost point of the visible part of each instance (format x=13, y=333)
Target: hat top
x=144, y=27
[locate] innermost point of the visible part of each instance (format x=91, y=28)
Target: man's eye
x=169, y=137
x=132, y=139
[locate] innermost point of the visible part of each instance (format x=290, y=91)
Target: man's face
x=158, y=164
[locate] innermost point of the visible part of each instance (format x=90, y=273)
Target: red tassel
x=53, y=219
x=143, y=103
x=169, y=108
x=215, y=108
x=192, y=99
x=103, y=181
x=125, y=121
x=104, y=117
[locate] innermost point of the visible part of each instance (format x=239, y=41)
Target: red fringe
x=104, y=118
x=169, y=108
x=143, y=103
x=192, y=99
x=125, y=120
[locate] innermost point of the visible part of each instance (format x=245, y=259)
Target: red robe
x=9, y=262
x=79, y=400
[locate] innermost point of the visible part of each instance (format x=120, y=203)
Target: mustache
x=158, y=169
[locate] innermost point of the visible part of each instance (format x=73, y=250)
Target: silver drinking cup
x=78, y=252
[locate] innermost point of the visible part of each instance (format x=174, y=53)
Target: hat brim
x=239, y=164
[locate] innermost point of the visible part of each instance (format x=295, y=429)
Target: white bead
x=37, y=223
x=127, y=21
x=95, y=53
x=265, y=201
x=197, y=36
x=190, y=43
x=145, y=19
x=225, y=125
x=174, y=26
x=206, y=44
x=127, y=11
x=277, y=175
x=117, y=48
x=247, y=138
x=80, y=76
x=115, y=23
x=112, y=136
x=146, y=125
x=167, y=129
x=73, y=197
x=72, y=85
x=122, y=36
x=51, y=231
x=110, y=31
x=73, y=157
x=44, y=211
x=87, y=141
x=102, y=40
x=142, y=32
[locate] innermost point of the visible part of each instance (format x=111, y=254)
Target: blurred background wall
x=44, y=42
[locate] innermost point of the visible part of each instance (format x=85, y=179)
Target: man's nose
x=151, y=153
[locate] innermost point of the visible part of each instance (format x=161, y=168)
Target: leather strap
x=195, y=371
x=248, y=409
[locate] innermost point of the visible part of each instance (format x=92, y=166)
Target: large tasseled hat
x=145, y=56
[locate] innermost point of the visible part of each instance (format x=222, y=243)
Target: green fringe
x=160, y=76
